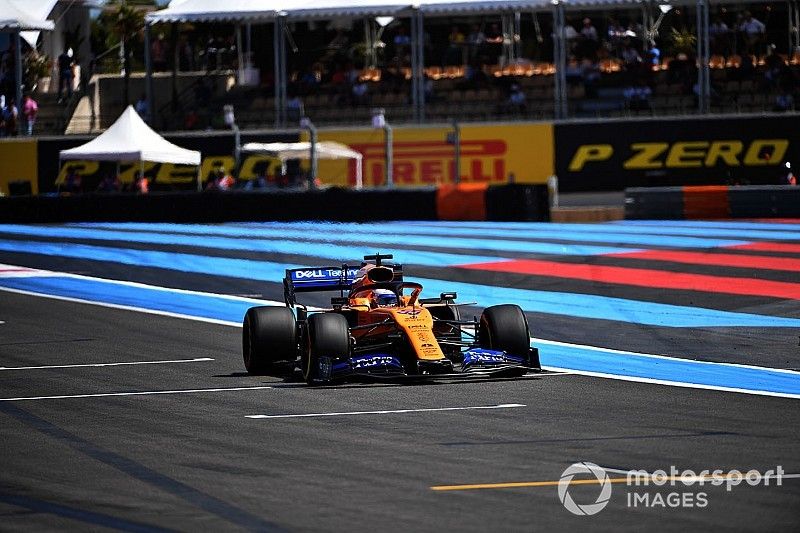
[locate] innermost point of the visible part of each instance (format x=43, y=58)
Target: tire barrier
x=715, y=201
x=502, y=202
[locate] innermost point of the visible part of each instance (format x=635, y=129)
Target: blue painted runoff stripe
x=462, y=235
x=322, y=233
x=198, y=264
x=280, y=244
x=559, y=303
x=700, y=373
x=586, y=359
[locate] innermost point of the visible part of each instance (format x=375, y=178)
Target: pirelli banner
x=217, y=149
x=613, y=155
x=18, y=170
x=489, y=154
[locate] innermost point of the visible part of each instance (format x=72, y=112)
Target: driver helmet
x=384, y=297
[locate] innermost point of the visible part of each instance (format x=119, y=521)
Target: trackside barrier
x=745, y=201
x=502, y=202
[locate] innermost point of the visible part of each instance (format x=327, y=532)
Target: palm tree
x=128, y=22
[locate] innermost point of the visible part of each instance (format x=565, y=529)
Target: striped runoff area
x=664, y=274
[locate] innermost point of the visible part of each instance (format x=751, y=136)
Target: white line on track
x=392, y=412
x=124, y=363
x=135, y=393
x=679, y=384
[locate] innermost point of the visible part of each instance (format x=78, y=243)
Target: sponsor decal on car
x=373, y=361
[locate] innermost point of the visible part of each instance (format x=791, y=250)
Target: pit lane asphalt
x=194, y=461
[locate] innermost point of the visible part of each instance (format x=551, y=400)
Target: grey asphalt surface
x=193, y=461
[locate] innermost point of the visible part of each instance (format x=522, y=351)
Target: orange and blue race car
x=379, y=327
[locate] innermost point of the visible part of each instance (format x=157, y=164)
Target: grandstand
x=339, y=62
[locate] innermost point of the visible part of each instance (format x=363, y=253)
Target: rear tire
x=327, y=335
x=269, y=336
x=504, y=327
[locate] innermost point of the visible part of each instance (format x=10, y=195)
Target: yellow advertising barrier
x=19, y=163
x=497, y=153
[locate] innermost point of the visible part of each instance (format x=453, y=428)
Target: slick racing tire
x=327, y=335
x=269, y=335
x=504, y=327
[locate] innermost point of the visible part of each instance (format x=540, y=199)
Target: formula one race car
x=375, y=330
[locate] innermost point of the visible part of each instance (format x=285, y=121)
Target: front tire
x=327, y=335
x=269, y=336
x=504, y=327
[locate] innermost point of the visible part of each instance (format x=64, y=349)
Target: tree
x=127, y=24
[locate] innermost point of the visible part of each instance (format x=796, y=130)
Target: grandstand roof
x=266, y=10
x=14, y=17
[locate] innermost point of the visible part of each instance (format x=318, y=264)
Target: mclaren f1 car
x=379, y=327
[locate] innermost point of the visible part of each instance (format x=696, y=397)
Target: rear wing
x=325, y=278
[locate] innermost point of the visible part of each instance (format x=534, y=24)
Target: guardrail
x=481, y=202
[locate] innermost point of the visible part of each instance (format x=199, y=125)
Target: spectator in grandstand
x=10, y=118
x=630, y=56
x=475, y=40
x=637, y=97
x=516, y=102
x=359, y=93
x=65, y=64
x=653, y=56
x=158, y=51
x=295, y=109
x=109, y=183
x=186, y=54
x=588, y=41
x=191, y=120
x=428, y=87
x=73, y=182
x=615, y=33
x=29, y=110
x=225, y=181
x=456, y=42
x=141, y=183
x=210, y=54
x=752, y=31
x=590, y=77
x=493, y=44
x=402, y=43
x=784, y=101
x=720, y=36
x=141, y=107
x=259, y=182
x=777, y=73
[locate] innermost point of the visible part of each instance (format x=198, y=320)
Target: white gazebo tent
x=302, y=150
x=130, y=139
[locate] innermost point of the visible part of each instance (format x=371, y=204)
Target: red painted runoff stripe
x=726, y=260
x=769, y=247
x=641, y=277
